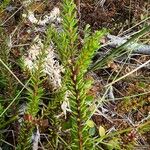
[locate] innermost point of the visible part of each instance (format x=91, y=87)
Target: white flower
x=24, y=15
x=54, y=15
x=65, y=106
x=28, y=63
x=32, y=18
x=51, y=65
x=26, y=2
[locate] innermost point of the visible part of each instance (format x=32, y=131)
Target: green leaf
x=114, y=144
x=92, y=131
x=90, y=123
x=142, y=84
x=118, y=51
x=102, y=131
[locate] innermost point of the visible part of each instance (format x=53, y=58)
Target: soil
x=116, y=16
x=112, y=15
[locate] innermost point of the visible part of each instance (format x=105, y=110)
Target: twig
x=134, y=70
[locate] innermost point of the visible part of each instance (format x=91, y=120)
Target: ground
x=127, y=104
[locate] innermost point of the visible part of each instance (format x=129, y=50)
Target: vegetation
x=51, y=94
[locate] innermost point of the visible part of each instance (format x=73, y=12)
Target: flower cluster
x=53, y=17
x=51, y=65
